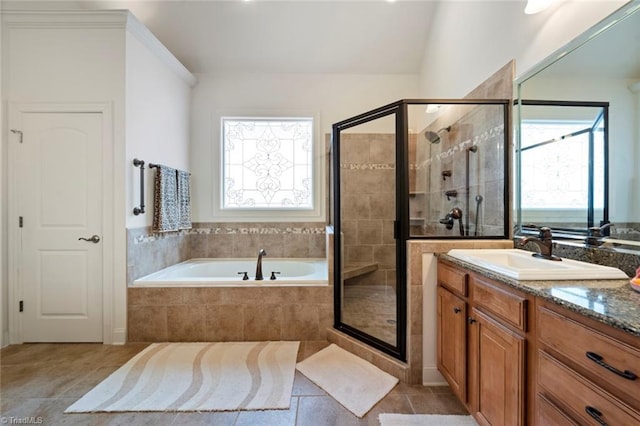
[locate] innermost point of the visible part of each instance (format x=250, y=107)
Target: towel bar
x=139, y=163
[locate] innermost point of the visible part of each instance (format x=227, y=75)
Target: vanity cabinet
x=588, y=372
x=452, y=341
x=481, y=344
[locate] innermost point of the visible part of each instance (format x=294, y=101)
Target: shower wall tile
x=382, y=151
x=370, y=232
x=358, y=254
x=385, y=256
x=357, y=206
x=382, y=206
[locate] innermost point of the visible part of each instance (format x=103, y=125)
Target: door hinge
x=17, y=132
x=21, y=306
x=20, y=221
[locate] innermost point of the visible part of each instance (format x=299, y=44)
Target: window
x=267, y=164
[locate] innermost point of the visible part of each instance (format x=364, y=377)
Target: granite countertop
x=612, y=302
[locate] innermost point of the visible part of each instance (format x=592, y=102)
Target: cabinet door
x=496, y=362
x=452, y=341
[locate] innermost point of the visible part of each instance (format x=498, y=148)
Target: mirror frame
x=610, y=21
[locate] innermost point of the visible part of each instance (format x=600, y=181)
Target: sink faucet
x=544, y=241
x=595, y=234
x=259, y=276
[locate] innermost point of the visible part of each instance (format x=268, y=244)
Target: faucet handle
x=545, y=233
x=596, y=231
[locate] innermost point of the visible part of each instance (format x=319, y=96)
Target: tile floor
x=39, y=381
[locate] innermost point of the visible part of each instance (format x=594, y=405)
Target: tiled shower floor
x=372, y=309
x=42, y=380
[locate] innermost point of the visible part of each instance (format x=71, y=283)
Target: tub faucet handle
x=273, y=275
x=244, y=276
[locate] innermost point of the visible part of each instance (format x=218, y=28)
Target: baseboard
x=119, y=336
x=432, y=377
x=5, y=339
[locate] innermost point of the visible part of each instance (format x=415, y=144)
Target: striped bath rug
x=219, y=376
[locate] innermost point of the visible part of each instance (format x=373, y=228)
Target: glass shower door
x=371, y=295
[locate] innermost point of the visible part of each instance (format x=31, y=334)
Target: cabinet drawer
x=583, y=345
x=507, y=306
x=578, y=396
x=547, y=413
x=454, y=279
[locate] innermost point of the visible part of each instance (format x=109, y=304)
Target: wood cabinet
x=481, y=345
x=588, y=371
x=452, y=341
x=514, y=358
x=496, y=361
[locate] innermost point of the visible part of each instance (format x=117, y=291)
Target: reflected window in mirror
x=563, y=174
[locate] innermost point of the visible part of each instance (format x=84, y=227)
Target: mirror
x=590, y=89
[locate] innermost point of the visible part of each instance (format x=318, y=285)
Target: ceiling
x=266, y=36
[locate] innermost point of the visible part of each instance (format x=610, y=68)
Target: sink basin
x=521, y=265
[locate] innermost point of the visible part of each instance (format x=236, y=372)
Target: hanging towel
x=165, y=211
x=184, y=200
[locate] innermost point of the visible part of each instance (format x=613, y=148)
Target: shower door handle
x=93, y=239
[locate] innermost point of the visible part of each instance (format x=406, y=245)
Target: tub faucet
x=544, y=241
x=259, y=276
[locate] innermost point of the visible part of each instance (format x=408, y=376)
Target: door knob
x=93, y=239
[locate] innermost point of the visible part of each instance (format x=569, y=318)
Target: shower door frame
x=402, y=223
x=401, y=228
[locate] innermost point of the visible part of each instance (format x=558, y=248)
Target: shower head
x=434, y=137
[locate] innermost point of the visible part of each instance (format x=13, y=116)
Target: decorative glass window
x=267, y=163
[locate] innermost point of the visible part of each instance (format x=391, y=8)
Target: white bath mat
x=355, y=383
x=198, y=377
x=425, y=420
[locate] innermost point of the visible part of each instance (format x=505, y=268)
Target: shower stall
x=413, y=169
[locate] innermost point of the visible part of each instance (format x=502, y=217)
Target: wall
x=158, y=102
x=469, y=40
x=330, y=97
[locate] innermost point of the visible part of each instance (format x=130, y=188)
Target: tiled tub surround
x=227, y=314
x=148, y=252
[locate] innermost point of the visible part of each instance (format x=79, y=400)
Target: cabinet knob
x=471, y=320
x=456, y=310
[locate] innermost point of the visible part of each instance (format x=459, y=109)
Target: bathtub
x=228, y=273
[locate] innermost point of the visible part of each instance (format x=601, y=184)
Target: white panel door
x=60, y=201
